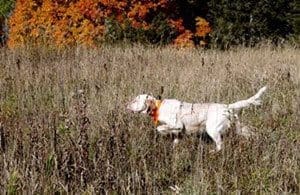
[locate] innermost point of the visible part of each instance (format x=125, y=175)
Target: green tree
x=296, y=16
x=248, y=22
x=5, y=8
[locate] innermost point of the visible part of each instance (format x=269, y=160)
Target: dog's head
x=141, y=104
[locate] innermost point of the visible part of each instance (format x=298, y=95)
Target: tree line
x=184, y=23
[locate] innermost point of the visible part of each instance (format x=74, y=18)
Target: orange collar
x=155, y=112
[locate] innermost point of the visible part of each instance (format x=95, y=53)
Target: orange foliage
x=50, y=22
x=184, y=39
x=67, y=22
x=178, y=25
x=202, y=27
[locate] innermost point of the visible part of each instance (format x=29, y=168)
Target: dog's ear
x=162, y=89
x=159, y=97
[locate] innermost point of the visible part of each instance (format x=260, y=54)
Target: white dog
x=175, y=116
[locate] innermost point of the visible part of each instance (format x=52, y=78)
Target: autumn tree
x=88, y=22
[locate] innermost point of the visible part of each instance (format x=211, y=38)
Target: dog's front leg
x=165, y=129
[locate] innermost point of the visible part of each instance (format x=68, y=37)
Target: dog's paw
x=213, y=152
x=175, y=143
x=175, y=189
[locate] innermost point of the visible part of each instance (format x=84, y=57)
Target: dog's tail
x=254, y=100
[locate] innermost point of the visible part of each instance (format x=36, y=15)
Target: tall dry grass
x=64, y=127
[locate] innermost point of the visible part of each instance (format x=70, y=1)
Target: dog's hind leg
x=215, y=128
x=216, y=137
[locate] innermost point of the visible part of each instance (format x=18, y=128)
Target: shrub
x=159, y=31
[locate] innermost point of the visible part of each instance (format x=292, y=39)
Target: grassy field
x=64, y=127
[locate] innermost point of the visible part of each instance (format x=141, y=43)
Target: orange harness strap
x=155, y=112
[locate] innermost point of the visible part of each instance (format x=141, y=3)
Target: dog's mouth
x=145, y=110
x=128, y=109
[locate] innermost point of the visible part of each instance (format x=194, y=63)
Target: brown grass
x=63, y=126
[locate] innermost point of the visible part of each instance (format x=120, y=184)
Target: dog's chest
x=168, y=112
